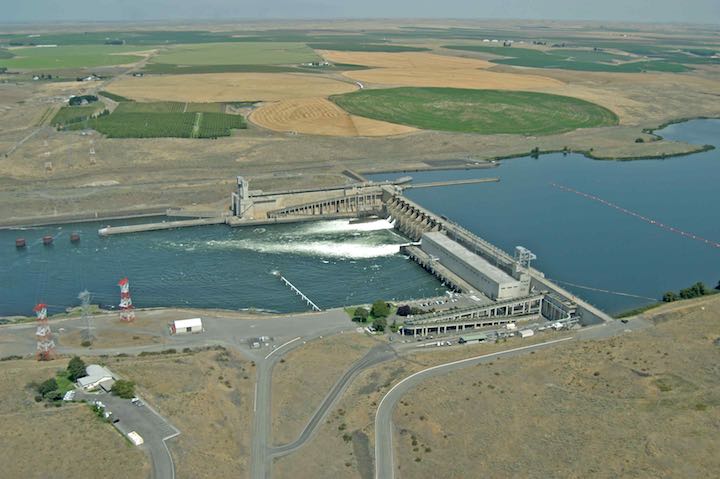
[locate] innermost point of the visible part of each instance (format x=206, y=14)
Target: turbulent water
x=333, y=262
x=639, y=228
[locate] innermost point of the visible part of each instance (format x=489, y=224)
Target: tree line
x=695, y=291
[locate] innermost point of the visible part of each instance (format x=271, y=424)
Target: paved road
x=376, y=355
x=384, y=465
x=147, y=422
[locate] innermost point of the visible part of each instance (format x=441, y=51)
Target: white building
x=96, y=374
x=182, y=326
x=493, y=282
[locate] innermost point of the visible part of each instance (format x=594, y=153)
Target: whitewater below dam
x=335, y=263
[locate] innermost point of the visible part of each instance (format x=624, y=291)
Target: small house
x=96, y=375
x=183, y=326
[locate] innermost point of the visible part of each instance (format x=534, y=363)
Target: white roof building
x=192, y=325
x=95, y=375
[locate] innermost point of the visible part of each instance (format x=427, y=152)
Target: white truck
x=135, y=438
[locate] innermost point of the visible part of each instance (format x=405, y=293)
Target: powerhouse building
x=493, y=282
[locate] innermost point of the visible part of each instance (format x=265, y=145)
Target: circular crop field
x=477, y=111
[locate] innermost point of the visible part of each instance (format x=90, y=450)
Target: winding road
x=384, y=468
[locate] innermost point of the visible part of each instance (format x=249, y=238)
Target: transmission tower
x=84, y=298
x=45, y=343
x=524, y=256
x=126, y=307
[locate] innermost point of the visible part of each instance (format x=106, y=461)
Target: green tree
x=380, y=324
x=699, y=288
x=360, y=314
x=47, y=386
x=380, y=309
x=76, y=369
x=123, y=388
x=669, y=297
x=404, y=310
x=718, y=286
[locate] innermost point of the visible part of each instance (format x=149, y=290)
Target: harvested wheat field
x=427, y=69
x=319, y=116
x=406, y=60
x=215, y=87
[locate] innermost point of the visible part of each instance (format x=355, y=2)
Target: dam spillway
x=384, y=199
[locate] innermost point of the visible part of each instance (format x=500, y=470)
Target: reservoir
x=590, y=241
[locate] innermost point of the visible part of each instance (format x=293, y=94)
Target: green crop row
x=163, y=124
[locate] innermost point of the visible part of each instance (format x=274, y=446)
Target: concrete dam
x=506, y=288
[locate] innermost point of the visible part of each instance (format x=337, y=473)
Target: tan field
x=217, y=87
x=645, y=404
x=208, y=396
x=406, y=60
x=68, y=441
x=306, y=375
x=319, y=116
x=430, y=70
x=651, y=411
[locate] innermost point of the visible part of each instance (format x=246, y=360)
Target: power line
x=600, y=290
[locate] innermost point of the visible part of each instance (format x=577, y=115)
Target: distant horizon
x=240, y=21
x=701, y=12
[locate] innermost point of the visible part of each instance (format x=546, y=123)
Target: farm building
x=183, y=326
x=96, y=376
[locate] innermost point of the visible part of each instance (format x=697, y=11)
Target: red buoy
x=47, y=240
x=20, y=243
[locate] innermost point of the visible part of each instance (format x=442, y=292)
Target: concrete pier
x=166, y=225
x=434, y=184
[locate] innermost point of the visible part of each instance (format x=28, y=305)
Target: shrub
x=76, y=369
x=380, y=309
x=639, y=140
x=380, y=324
x=360, y=314
x=404, y=310
x=669, y=297
x=123, y=388
x=47, y=386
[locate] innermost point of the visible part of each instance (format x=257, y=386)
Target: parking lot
x=141, y=418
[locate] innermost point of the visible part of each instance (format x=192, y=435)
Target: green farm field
x=66, y=57
x=248, y=53
x=579, y=60
x=75, y=114
x=163, y=120
x=477, y=111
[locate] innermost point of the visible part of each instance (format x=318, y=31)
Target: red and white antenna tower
x=45, y=343
x=126, y=307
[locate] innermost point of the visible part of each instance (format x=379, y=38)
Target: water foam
x=323, y=249
x=345, y=226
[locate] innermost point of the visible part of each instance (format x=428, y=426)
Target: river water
x=594, y=244
x=578, y=239
x=334, y=263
